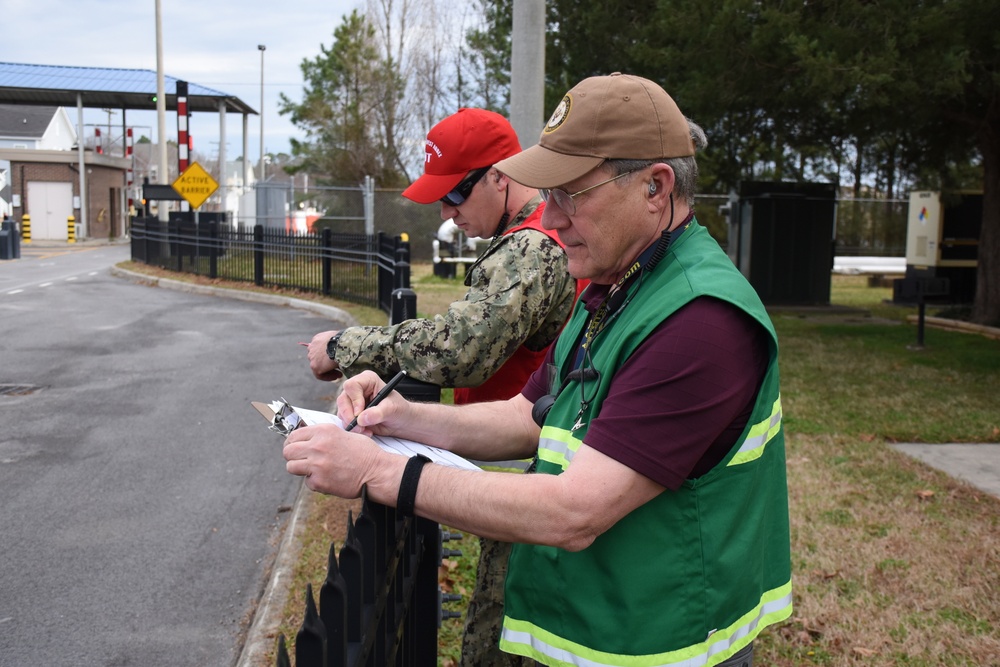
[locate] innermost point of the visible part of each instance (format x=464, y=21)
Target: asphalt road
x=142, y=498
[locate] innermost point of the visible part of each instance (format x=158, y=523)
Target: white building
x=31, y=128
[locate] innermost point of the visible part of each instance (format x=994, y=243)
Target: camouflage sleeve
x=520, y=294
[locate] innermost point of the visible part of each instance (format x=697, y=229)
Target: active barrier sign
x=195, y=185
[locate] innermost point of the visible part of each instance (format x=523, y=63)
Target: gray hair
x=685, y=168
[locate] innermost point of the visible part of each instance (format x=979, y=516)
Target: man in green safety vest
x=654, y=530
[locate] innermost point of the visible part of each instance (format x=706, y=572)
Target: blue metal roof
x=102, y=87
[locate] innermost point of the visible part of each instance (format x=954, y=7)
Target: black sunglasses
x=462, y=191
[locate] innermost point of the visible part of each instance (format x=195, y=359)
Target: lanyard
x=612, y=303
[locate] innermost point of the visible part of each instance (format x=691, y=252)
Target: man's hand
x=322, y=366
x=332, y=460
x=378, y=420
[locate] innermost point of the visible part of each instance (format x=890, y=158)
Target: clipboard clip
x=285, y=418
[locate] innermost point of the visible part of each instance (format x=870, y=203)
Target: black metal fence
x=380, y=603
x=354, y=267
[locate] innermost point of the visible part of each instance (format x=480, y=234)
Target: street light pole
x=262, y=48
x=161, y=113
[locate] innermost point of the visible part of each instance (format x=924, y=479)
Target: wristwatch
x=331, y=345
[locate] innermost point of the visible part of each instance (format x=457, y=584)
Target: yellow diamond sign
x=195, y=185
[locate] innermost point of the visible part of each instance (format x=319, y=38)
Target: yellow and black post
x=26, y=228
x=71, y=229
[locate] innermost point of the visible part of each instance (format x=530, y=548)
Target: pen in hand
x=379, y=397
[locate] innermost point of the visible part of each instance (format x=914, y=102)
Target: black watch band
x=331, y=345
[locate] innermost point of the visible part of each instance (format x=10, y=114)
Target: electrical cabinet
x=781, y=239
x=942, y=242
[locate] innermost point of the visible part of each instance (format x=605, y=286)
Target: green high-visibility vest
x=692, y=576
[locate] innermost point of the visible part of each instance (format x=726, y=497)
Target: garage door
x=49, y=205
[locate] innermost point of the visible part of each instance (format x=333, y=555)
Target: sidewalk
x=975, y=463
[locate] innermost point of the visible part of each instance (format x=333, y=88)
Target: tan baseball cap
x=618, y=116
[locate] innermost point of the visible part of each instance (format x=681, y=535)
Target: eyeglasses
x=564, y=200
x=462, y=191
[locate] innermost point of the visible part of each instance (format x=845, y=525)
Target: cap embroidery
x=560, y=115
x=431, y=147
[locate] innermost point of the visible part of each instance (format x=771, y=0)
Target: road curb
x=323, y=310
x=263, y=631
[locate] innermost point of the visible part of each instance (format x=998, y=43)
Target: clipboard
x=283, y=418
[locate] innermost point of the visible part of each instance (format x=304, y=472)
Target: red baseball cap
x=464, y=141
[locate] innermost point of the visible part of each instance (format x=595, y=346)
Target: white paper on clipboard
x=285, y=418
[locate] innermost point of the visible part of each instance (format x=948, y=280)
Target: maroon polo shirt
x=679, y=403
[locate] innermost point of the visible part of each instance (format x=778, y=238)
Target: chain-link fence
x=872, y=227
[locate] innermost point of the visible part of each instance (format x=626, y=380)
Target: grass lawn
x=894, y=563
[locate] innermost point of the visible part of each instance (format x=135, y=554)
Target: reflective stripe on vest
x=557, y=446
x=524, y=639
x=759, y=435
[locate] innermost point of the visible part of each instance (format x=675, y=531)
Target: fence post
x=281, y=652
x=350, y=568
x=213, y=250
x=174, y=232
x=140, y=227
x=155, y=240
x=310, y=642
x=404, y=299
x=401, y=273
x=368, y=189
x=333, y=610
x=327, y=242
x=425, y=631
x=258, y=255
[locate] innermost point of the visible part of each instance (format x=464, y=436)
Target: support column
x=83, y=168
x=223, y=181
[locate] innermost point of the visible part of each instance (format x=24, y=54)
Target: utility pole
x=527, y=70
x=161, y=112
x=262, y=48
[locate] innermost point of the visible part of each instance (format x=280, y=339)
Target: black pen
x=379, y=397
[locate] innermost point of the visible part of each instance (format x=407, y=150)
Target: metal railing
x=380, y=603
x=358, y=268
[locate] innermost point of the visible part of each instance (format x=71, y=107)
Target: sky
x=209, y=42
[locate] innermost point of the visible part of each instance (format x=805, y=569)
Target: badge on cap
x=560, y=115
x=430, y=149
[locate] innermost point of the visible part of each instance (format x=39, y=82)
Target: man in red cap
x=487, y=345
x=520, y=292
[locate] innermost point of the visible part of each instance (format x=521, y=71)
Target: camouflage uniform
x=520, y=293
x=484, y=618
